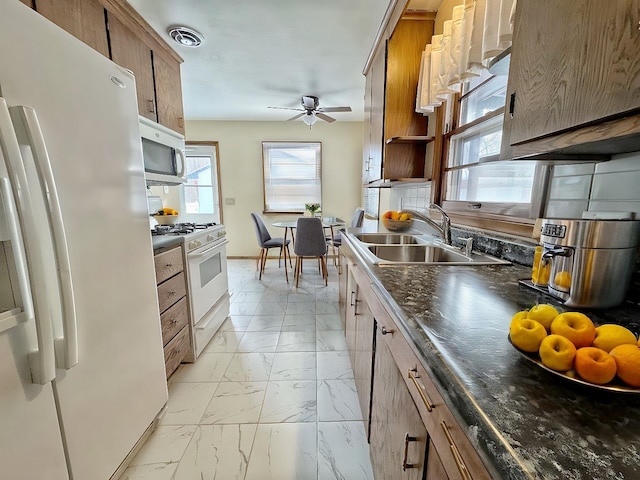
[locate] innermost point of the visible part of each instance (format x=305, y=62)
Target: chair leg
x=325, y=273
x=261, y=262
x=298, y=269
x=279, y=257
x=289, y=255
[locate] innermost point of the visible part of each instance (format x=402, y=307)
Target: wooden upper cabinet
x=405, y=159
x=128, y=51
x=84, y=19
x=168, y=93
x=572, y=64
x=29, y=3
x=374, y=117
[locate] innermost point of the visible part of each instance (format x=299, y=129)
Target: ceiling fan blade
x=296, y=117
x=288, y=108
x=324, y=117
x=334, y=109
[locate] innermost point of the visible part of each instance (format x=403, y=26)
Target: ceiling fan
x=312, y=110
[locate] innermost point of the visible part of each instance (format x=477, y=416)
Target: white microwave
x=163, y=154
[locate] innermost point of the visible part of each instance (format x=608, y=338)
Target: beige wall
x=240, y=149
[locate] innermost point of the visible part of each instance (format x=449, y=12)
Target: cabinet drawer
x=174, y=319
x=171, y=291
x=168, y=264
x=176, y=350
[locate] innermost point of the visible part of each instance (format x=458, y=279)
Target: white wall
x=240, y=149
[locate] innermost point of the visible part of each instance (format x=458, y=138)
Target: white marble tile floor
x=272, y=397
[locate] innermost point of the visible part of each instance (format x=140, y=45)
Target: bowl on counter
x=166, y=219
x=397, y=225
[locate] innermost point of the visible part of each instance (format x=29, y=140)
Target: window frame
x=205, y=147
x=269, y=145
x=500, y=216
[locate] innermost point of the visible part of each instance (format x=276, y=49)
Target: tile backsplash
x=601, y=187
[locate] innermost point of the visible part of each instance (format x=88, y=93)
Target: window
x=474, y=181
x=292, y=175
x=200, y=194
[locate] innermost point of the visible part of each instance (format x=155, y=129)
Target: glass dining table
x=290, y=226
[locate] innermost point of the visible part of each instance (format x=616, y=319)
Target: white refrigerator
x=81, y=362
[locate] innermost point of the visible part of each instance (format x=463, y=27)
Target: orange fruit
x=627, y=359
x=575, y=326
x=543, y=314
x=387, y=214
x=609, y=336
x=562, y=280
x=595, y=365
x=395, y=215
x=557, y=353
x=526, y=334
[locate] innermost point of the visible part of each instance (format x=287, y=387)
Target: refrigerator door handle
x=66, y=347
x=19, y=258
x=42, y=360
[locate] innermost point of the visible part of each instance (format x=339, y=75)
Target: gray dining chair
x=266, y=242
x=336, y=241
x=310, y=243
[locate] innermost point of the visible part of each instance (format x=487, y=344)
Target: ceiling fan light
x=310, y=118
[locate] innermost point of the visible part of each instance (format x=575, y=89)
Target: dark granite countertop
x=525, y=422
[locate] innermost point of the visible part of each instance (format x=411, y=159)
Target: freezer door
x=87, y=116
x=30, y=439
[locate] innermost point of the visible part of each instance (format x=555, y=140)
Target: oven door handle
x=206, y=251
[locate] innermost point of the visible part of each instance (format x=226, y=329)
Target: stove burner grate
x=180, y=228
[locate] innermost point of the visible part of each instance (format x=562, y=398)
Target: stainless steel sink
x=427, y=255
x=417, y=254
x=387, y=238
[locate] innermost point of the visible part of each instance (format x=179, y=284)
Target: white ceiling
x=261, y=53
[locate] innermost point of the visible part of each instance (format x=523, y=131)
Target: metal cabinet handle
x=384, y=330
x=151, y=106
x=352, y=302
x=464, y=471
x=413, y=375
x=407, y=439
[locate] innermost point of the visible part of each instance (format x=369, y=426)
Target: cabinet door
x=84, y=19
x=364, y=357
x=343, y=294
x=435, y=467
x=168, y=93
x=350, y=319
x=398, y=437
x=29, y=3
x=128, y=51
x=376, y=118
x=572, y=63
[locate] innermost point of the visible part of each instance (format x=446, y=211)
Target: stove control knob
x=210, y=238
x=221, y=233
x=194, y=244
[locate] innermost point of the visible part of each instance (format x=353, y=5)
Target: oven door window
x=210, y=269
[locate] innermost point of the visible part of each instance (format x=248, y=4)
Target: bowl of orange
x=396, y=221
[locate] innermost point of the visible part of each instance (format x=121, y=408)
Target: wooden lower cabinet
x=412, y=432
x=362, y=372
x=173, y=306
x=398, y=436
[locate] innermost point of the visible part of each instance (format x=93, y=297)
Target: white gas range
x=206, y=262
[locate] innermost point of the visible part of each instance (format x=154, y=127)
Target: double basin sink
x=406, y=249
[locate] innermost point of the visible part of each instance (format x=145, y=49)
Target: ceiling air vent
x=185, y=36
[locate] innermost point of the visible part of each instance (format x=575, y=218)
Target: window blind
x=292, y=175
